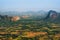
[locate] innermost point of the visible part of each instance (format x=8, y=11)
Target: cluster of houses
x=12, y=18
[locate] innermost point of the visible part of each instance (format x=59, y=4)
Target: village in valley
x=30, y=27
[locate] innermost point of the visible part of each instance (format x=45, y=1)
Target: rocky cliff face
x=52, y=14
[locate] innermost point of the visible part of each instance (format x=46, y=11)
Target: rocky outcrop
x=51, y=14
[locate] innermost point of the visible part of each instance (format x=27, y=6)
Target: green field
x=27, y=29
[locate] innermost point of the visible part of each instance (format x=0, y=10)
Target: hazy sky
x=26, y=5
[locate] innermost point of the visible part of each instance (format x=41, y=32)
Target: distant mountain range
x=15, y=13
x=41, y=13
